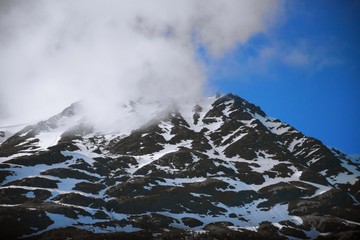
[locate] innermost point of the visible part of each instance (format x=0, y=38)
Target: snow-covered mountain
x=218, y=168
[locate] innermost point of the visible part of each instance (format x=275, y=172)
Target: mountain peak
x=220, y=165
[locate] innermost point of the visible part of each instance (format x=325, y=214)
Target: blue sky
x=304, y=70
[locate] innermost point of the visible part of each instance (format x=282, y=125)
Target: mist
x=106, y=52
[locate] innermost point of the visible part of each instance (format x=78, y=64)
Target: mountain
x=220, y=168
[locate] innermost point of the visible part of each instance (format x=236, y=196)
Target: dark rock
x=4, y=174
x=80, y=234
x=197, y=110
x=80, y=200
x=19, y=195
x=321, y=204
x=282, y=170
x=19, y=221
x=88, y=187
x=326, y=224
x=169, y=185
x=343, y=235
x=268, y=231
x=153, y=221
x=36, y=182
x=191, y=222
x=313, y=176
x=283, y=192
x=140, y=142
x=47, y=158
x=104, y=166
x=133, y=187
x=69, y=173
x=293, y=232
x=100, y=215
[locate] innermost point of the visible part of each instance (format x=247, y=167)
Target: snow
x=127, y=228
x=343, y=178
x=64, y=186
x=53, y=191
x=51, y=136
x=84, y=222
x=166, y=127
x=26, y=171
x=10, y=205
x=320, y=189
x=354, y=199
x=350, y=222
x=195, y=158
x=255, y=215
x=250, y=212
x=265, y=161
x=351, y=177
x=262, y=163
x=200, y=195
x=312, y=233
x=20, y=154
x=59, y=221
x=312, y=161
x=30, y=195
x=277, y=128
x=129, y=117
x=133, y=117
x=24, y=134
x=11, y=130
x=213, y=126
x=249, y=123
x=43, y=141
x=144, y=160
x=48, y=139
x=354, y=157
x=79, y=155
x=178, y=182
x=295, y=143
x=186, y=111
x=235, y=139
x=226, y=164
x=227, y=109
x=278, y=225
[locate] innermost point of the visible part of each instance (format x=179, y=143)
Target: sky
x=297, y=60
x=305, y=70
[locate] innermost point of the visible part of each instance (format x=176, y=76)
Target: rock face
x=220, y=168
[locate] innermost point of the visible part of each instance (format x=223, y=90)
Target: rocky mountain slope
x=221, y=168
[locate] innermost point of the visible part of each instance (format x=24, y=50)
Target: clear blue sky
x=304, y=71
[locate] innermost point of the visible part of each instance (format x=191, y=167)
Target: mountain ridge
x=221, y=166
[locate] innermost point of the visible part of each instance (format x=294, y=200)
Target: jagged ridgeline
x=220, y=168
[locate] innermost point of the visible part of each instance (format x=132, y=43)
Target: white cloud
x=302, y=54
x=56, y=52
x=296, y=57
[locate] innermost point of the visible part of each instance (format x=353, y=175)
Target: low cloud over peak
x=56, y=52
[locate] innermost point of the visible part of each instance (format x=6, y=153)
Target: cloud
x=56, y=52
x=296, y=57
x=270, y=58
x=302, y=54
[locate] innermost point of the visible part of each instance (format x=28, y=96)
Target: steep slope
x=220, y=167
